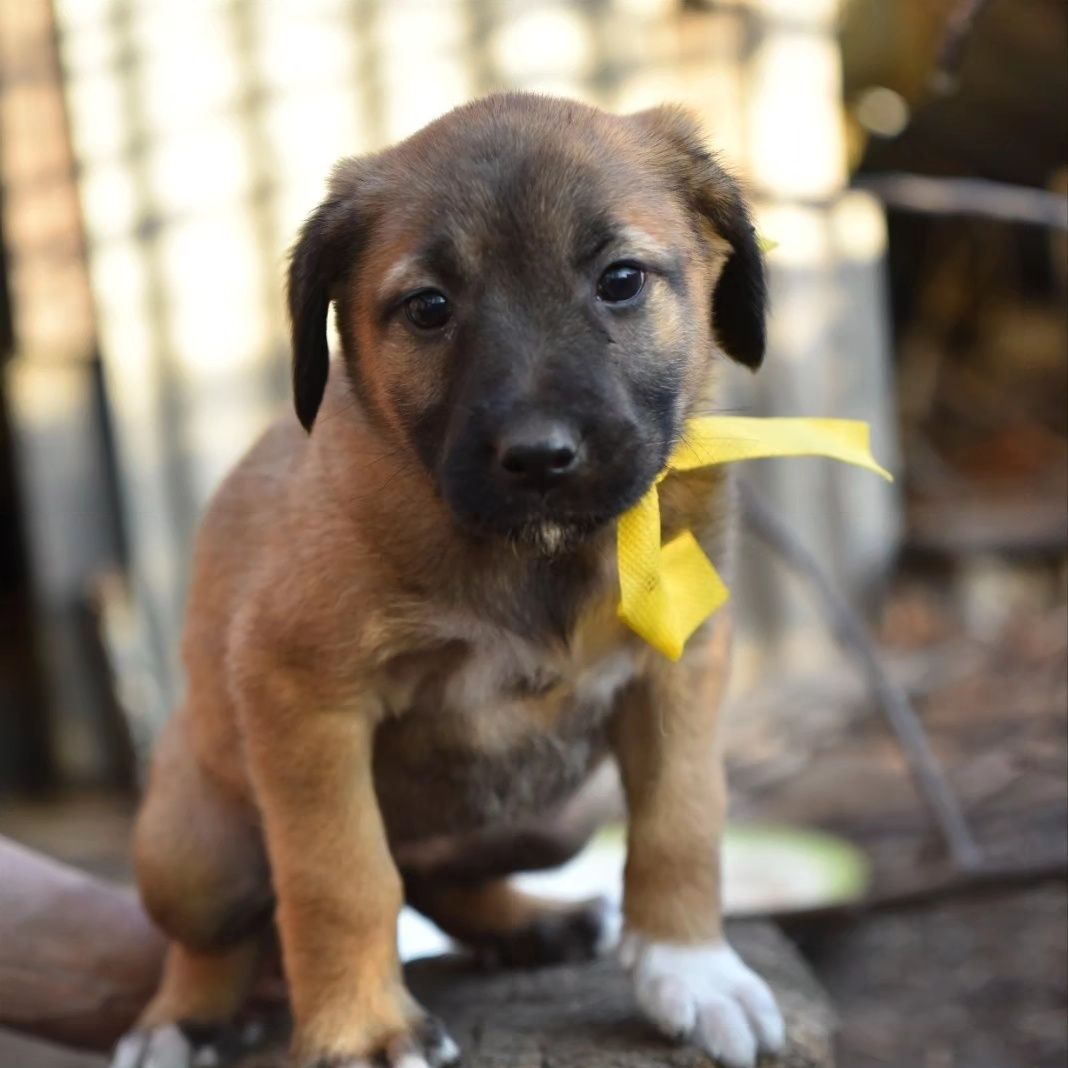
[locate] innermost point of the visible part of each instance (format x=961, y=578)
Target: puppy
x=403, y=654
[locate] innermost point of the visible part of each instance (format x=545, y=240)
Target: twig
x=849, y=630
x=968, y=196
x=962, y=20
x=996, y=879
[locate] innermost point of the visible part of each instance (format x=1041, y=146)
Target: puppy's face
x=529, y=295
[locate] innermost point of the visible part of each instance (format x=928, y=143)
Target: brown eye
x=620, y=282
x=428, y=309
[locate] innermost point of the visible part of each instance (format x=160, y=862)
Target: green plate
x=782, y=868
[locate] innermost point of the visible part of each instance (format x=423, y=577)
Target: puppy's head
x=530, y=295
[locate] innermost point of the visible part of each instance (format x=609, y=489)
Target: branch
x=851, y=633
x=968, y=196
x=961, y=23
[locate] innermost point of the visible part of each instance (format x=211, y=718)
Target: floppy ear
x=325, y=249
x=739, y=303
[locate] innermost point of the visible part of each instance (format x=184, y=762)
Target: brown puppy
x=403, y=656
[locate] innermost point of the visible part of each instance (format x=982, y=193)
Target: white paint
x=706, y=995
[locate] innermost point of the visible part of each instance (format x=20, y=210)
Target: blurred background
x=909, y=159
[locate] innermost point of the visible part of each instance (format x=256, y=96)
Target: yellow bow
x=667, y=592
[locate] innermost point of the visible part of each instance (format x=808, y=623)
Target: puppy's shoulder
x=269, y=550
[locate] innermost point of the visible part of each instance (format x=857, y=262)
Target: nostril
x=526, y=460
x=561, y=458
x=538, y=452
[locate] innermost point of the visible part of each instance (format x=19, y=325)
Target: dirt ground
x=977, y=978
x=966, y=983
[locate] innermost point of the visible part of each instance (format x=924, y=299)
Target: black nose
x=538, y=452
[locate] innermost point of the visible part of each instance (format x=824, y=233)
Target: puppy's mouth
x=546, y=525
x=556, y=536
x=545, y=537
x=548, y=492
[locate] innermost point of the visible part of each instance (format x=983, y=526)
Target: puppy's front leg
x=687, y=979
x=338, y=890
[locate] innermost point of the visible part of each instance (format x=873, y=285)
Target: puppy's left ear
x=739, y=303
x=326, y=249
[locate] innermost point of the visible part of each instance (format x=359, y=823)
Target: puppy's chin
x=549, y=537
x=543, y=536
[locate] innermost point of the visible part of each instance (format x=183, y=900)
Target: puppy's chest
x=493, y=692
x=495, y=729
x=507, y=689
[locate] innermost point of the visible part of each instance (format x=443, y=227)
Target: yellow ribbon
x=667, y=592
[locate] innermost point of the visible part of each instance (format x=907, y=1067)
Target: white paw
x=705, y=995
x=164, y=1047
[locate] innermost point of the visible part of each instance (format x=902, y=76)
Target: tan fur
x=489, y=909
x=202, y=987
x=667, y=743
x=354, y=698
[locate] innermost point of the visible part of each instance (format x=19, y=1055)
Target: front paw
x=194, y=1045
x=705, y=994
x=427, y=1045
